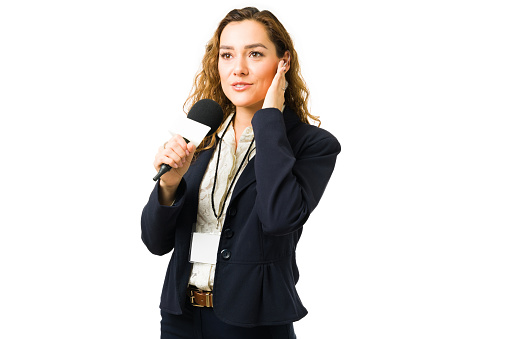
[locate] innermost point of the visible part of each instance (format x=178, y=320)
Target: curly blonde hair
x=207, y=83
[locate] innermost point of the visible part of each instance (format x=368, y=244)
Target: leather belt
x=199, y=298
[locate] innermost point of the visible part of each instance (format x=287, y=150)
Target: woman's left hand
x=275, y=97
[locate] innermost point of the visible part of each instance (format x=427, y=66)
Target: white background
x=410, y=239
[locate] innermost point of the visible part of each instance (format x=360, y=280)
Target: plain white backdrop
x=410, y=239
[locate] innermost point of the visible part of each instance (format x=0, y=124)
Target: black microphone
x=206, y=112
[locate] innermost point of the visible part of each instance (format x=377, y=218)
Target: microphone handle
x=164, y=168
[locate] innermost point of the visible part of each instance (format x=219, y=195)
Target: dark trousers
x=202, y=323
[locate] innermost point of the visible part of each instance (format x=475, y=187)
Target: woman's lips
x=241, y=86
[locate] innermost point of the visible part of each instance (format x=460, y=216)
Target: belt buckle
x=207, y=295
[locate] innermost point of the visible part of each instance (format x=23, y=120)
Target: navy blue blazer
x=256, y=271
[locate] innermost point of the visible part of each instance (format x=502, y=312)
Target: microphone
x=205, y=113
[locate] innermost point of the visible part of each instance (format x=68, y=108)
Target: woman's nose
x=240, y=67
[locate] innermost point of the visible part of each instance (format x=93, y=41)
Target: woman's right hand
x=178, y=155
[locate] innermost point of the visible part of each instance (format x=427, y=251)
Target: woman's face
x=247, y=63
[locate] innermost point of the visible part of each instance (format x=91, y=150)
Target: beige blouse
x=202, y=275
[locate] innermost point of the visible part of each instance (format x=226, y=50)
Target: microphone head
x=207, y=112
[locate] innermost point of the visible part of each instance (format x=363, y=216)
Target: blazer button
x=233, y=211
x=226, y=254
x=228, y=233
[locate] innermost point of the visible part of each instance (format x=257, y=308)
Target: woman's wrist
x=167, y=193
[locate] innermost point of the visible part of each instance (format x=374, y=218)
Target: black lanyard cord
x=234, y=178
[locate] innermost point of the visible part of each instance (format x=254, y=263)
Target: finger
x=159, y=157
x=191, y=148
x=175, y=140
x=176, y=149
x=178, y=142
x=162, y=159
x=283, y=67
x=177, y=146
x=169, y=157
x=173, y=160
x=280, y=79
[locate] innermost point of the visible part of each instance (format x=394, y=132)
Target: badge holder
x=204, y=248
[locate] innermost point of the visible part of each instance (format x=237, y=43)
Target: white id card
x=204, y=248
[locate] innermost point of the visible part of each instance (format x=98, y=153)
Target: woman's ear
x=286, y=59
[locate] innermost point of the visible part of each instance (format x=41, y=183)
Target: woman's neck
x=242, y=120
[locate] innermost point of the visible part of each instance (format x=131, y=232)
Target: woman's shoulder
x=306, y=136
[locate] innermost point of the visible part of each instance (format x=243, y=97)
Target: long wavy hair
x=207, y=83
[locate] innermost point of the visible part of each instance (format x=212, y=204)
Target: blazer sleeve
x=289, y=186
x=158, y=222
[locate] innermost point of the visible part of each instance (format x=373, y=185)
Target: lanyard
x=221, y=209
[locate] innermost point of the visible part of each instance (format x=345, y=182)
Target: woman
x=253, y=184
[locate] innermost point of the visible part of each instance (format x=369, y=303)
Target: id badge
x=204, y=248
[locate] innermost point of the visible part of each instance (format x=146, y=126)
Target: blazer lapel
x=195, y=175
x=246, y=178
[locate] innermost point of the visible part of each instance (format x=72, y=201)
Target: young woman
x=251, y=186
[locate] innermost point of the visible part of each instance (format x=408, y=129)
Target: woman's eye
x=256, y=54
x=226, y=55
